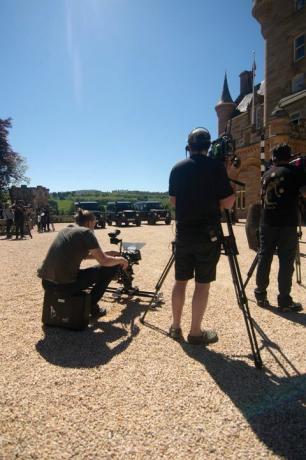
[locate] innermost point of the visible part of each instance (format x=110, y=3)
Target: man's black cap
x=282, y=152
x=199, y=139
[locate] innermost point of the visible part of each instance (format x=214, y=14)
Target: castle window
x=299, y=4
x=297, y=83
x=299, y=47
x=295, y=118
x=240, y=199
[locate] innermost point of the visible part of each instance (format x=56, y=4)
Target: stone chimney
x=246, y=82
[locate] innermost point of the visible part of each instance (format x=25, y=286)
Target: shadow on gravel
x=294, y=317
x=275, y=407
x=95, y=346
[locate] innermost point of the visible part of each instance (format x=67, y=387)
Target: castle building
x=274, y=110
x=36, y=197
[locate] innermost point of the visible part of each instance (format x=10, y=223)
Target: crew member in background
x=198, y=187
x=61, y=267
x=19, y=217
x=281, y=186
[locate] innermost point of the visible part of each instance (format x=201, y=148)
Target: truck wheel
x=103, y=225
x=138, y=223
x=168, y=221
x=118, y=223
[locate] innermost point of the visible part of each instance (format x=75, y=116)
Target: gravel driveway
x=124, y=390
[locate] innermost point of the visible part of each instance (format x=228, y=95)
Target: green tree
x=12, y=164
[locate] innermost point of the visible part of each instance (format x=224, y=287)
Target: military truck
x=96, y=208
x=122, y=212
x=152, y=212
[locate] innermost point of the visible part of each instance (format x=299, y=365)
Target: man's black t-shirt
x=198, y=184
x=66, y=253
x=280, y=191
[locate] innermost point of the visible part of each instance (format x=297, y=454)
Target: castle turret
x=224, y=108
x=283, y=28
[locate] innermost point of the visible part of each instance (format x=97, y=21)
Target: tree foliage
x=12, y=164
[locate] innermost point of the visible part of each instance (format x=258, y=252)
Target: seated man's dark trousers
x=97, y=276
x=284, y=240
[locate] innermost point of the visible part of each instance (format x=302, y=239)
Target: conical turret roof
x=225, y=96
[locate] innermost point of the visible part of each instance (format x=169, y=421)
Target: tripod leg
x=230, y=250
x=243, y=304
x=251, y=271
x=158, y=286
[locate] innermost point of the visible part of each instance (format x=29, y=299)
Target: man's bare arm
x=106, y=260
x=172, y=201
x=228, y=202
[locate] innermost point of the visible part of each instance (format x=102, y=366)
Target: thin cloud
x=74, y=53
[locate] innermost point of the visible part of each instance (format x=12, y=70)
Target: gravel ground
x=123, y=390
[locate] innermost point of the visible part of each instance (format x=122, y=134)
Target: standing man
x=281, y=186
x=19, y=216
x=198, y=188
x=61, y=268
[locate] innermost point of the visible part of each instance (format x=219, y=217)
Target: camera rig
x=131, y=252
x=223, y=149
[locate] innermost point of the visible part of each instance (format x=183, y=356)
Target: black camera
x=130, y=251
x=131, y=254
x=223, y=149
x=113, y=237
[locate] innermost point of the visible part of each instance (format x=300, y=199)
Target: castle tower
x=284, y=30
x=224, y=108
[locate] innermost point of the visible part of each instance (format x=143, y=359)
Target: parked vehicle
x=152, y=212
x=122, y=212
x=94, y=207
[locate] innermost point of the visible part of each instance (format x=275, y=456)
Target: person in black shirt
x=198, y=188
x=61, y=268
x=281, y=186
x=19, y=218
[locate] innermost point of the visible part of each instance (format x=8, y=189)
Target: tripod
x=229, y=249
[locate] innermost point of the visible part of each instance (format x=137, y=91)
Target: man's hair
x=82, y=217
x=282, y=152
x=198, y=140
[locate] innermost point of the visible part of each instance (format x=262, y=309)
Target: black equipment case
x=68, y=312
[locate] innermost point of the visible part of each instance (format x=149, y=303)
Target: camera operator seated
x=61, y=268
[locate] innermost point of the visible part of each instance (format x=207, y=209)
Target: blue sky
x=103, y=93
